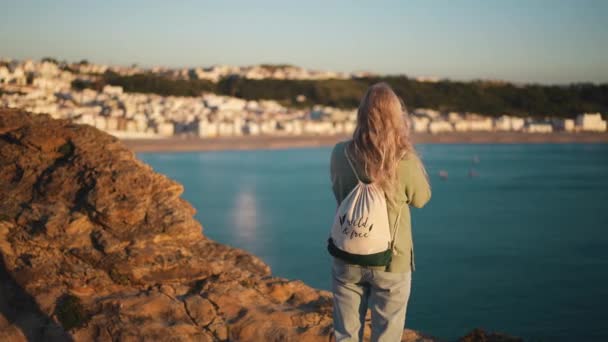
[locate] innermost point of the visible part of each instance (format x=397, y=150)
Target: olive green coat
x=413, y=190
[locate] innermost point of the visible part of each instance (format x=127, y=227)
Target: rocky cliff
x=94, y=245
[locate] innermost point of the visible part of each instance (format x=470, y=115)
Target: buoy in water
x=443, y=174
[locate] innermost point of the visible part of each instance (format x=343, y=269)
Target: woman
x=380, y=151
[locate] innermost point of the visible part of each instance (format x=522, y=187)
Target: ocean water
x=521, y=247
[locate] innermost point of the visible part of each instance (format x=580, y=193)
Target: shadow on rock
x=20, y=317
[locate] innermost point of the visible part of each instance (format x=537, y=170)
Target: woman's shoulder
x=341, y=144
x=410, y=160
x=339, y=148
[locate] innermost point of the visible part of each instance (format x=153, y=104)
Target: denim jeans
x=386, y=293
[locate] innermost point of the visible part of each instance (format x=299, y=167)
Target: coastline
x=194, y=144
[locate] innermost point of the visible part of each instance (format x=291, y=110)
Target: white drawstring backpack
x=361, y=231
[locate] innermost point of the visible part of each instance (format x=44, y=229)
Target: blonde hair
x=382, y=135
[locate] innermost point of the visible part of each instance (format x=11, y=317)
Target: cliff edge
x=95, y=245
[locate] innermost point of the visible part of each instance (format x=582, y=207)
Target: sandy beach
x=186, y=144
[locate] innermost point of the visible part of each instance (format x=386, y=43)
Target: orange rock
x=82, y=291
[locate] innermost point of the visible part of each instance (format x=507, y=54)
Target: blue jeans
x=355, y=287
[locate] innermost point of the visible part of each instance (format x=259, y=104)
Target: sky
x=526, y=41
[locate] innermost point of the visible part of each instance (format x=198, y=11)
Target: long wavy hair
x=382, y=135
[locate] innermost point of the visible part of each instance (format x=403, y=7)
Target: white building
x=517, y=124
x=591, y=122
x=165, y=129
x=462, y=126
x=51, y=84
x=112, y=124
x=87, y=118
x=349, y=127
x=131, y=126
x=251, y=128
x=431, y=113
x=568, y=125
x=5, y=75
x=420, y=124
x=538, y=127
x=100, y=122
x=509, y=123
x=112, y=90
x=268, y=126
x=454, y=117
x=502, y=123
x=225, y=129
x=207, y=129
x=19, y=77
x=482, y=124
x=238, y=125
x=436, y=127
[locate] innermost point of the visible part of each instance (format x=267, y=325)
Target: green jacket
x=414, y=190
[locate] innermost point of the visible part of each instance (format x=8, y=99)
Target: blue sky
x=544, y=41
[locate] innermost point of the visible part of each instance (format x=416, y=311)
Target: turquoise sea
x=520, y=247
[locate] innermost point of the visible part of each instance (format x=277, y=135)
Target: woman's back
x=411, y=188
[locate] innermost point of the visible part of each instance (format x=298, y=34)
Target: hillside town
x=44, y=87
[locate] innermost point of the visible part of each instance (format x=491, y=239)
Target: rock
x=94, y=245
x=200, y=309
x=479, y=335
